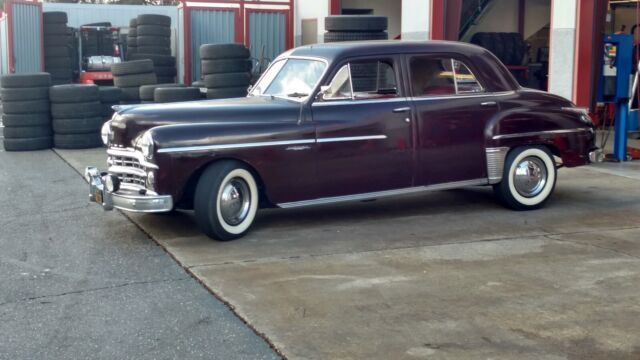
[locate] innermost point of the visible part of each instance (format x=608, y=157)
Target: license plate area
x=99, y=196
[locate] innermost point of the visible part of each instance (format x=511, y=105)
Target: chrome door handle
x=489, y=103
x=401, y=110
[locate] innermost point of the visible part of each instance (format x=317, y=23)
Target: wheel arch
x=189, y=189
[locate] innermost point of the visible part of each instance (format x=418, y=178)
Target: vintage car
x=340, y=122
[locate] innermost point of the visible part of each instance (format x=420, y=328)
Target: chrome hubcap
x=530, y=177
x=235, y=201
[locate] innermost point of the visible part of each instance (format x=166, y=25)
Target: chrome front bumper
x=98, y=193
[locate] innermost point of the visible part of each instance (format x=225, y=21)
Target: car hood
x=130, y=121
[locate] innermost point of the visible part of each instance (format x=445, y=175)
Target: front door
x=452, y=111
x=364, y=130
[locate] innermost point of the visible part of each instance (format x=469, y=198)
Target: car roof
x=336, y=50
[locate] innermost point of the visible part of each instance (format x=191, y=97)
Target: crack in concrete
x=304, y=257
x=587, y=244
x=74, y=292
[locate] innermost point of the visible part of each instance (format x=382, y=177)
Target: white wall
x=309, y=9
x=388, y=8
x=562, y=48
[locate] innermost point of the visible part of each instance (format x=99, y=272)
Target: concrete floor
x=443, y=275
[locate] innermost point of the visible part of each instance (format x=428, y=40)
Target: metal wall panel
x=27, y=37
x=267, y=30
x=209, y=27
x=4, y=47
x=117, y=15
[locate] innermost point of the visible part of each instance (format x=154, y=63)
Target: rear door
x=452, y=112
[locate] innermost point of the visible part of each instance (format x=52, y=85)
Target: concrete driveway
x=443, y=275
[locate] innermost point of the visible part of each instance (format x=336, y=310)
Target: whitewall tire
x=529, y=178
x=226, y=200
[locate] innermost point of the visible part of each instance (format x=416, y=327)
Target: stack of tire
x=153, y=41
x=26, y=118
x=129, y=76
x=132, y=38
x=77, y=116
x=355, y=28
x=176, y=94
x=147, y=91
x=109, y=96
x=58, y=42
x=510, y=48
x=226, y=70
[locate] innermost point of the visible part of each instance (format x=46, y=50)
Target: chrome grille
x=126, y=165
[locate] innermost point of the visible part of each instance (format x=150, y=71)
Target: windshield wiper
x=297, y=95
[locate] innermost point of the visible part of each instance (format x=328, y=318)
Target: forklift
x=99, y=47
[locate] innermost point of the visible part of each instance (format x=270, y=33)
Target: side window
x=432, y=76
x=362, y=80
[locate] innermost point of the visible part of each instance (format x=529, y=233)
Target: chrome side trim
x=462, y=96
x=269, y=143
x=495, y=163
x=536, y=133
x=381, y=194
x=352, y=138
x=235, y=146
x=359, y=101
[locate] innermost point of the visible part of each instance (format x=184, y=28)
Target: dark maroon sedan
x=343, y=122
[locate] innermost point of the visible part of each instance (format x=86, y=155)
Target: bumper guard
x=98, y=193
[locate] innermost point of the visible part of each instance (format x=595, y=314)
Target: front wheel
x=529, y=178
x=226, y=200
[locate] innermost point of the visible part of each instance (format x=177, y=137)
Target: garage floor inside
x=442, y=275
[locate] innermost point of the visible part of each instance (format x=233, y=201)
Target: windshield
x=292, y=78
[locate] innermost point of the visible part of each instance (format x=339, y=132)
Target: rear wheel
x=226, y=200
x=529, y=178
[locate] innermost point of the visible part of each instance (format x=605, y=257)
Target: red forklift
x=99, y=47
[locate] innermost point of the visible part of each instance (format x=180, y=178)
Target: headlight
x=145, y=144
x=105, y=132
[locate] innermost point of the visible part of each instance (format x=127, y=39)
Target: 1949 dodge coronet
x=342, y=122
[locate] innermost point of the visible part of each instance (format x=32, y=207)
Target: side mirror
x=324, y=90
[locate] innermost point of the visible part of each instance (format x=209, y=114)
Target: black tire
x=132, y=42
x=369, y=23
x=133, y=33
x=16, y=81
x=154, y=30
x=132, y=67
x=507, y=192
x=57, y=51
x=208, y=191
x=107, y=110
x=130, y=95
x=65, y=73
x=133, y=23
x=30, y=119
x=157, y=50
x=225, y=66
x=25, y=107
x=166, y=79
x=146, y=91
x=28, y=144
x=24, y=94
x=354, y=36
x=165, y=71
x=77, y=141
x=166, y=95
x=223, y=51
x=58, y=62
x=135, y=80
x=54, y=17
x=198, y=84
x=227, y=80
x=55, y=40
x=153, y=41
x=55, y=29
x=76, y=110
x=22, y=132
x=158, y=60
x=109, y=94
x=79, y=125
x=154, y=19
x=62, y=81
x=227, y=93
x=74, y=93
